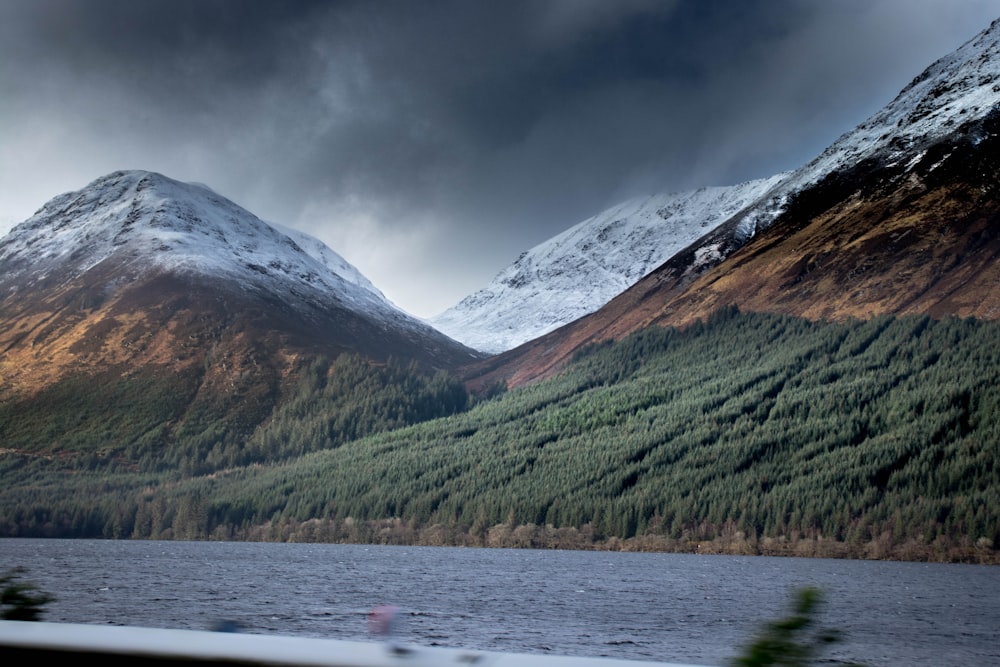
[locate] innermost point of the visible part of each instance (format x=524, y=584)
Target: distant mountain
x=583, y=268
x=141, y=274
x=900, y=215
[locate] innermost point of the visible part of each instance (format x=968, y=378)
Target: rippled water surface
x=669, y=607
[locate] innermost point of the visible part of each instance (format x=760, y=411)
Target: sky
x=430, y=142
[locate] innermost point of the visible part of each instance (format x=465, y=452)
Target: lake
x=641, y=606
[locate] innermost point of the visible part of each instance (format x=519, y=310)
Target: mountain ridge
x=965, y=82
x=904, y=204
x=565, y=277
x=579, y=270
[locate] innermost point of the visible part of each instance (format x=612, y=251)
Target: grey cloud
x=470, y=130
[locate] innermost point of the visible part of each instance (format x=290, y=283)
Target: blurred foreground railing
x=23, y=642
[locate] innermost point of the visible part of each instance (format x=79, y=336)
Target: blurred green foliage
x=794, y=641
x=20, y=600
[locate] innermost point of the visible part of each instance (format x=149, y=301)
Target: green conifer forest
x=746, y=433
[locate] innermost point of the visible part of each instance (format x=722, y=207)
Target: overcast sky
x=430, y=142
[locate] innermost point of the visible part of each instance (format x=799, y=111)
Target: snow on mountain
x=960, y=87
x=322, y=253
x=141, y=221
x=581, y=269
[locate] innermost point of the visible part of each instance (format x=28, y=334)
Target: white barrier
x=38, y=641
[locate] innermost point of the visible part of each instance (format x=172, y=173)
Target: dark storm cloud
x=430, y=142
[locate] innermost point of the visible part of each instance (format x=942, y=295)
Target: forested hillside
x=144, y=424
x=748, y=433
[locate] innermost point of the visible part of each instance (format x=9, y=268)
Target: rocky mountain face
x=899, y=216
x=140, y=276
x=580, y=270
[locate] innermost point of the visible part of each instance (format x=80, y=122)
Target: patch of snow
x=707, y=255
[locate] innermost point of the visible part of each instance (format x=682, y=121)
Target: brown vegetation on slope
x=162, y=325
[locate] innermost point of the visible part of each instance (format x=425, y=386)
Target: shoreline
x=395, y=532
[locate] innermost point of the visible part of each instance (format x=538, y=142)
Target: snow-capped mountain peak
x=140, y=222
x=584, y=267
x=962, y=86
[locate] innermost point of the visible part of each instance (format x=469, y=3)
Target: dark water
x=669, y=607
